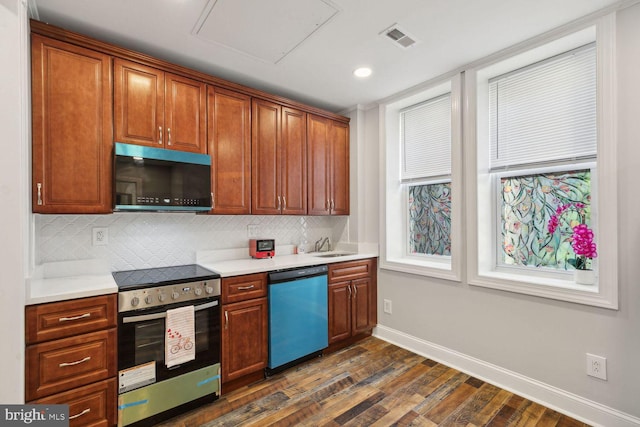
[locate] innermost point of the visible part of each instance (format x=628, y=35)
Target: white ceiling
x=306, y=50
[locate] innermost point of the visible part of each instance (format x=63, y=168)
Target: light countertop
x=237, y=267
x=67, y=280
x=59, y=281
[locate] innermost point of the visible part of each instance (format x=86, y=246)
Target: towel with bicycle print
x=180, y=346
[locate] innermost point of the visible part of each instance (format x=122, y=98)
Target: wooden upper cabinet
x=339, y=169
x=278, y=159
x=293, y=163
x=266, y=195
x=229, y=143
x=318, y=160
x=185, y=114
x=158, y=109
x=328, y=162
x=72, y=128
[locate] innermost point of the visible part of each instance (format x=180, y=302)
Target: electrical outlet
x=387, y=306
x=100, y=236
x=597, y=366
x=252, y=231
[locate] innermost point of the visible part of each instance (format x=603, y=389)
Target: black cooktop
x=150, y=277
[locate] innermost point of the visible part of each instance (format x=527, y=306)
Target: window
x=541, y=115
x=425, y=139
x=536, y=125
x=422, y=230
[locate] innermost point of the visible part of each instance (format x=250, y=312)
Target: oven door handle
x=161, y=315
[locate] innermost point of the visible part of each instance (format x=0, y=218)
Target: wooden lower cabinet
x=93, y=405
x=74, y=364
x=352, y=301
x=244, y=338
x=244, y=330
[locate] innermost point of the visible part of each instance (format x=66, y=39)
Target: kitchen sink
x=333, y=254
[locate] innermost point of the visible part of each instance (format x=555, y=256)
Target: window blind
x=426, y=139
x=545, y=112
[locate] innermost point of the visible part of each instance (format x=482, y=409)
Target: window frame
x=394, y=254
x=483, y=274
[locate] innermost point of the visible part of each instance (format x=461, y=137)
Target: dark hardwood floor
x=372, y=383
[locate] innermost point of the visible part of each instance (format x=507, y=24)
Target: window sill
x=563, y=290
x=440, y=270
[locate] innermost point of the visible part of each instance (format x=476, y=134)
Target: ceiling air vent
x=399, y=37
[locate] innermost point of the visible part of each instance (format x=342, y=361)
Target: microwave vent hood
x=158, y=179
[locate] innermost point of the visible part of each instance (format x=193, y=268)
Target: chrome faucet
x=320, y=244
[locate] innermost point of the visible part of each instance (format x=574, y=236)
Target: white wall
x=363, y=222
x=13, y=196
x=545, y=340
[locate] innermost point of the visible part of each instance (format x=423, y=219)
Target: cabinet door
x=266, y=196
x=244, y=338
x=318, y=165
x=229, y=143
x=293, y=162
x=361, y=320
x=339, y=137
x=339, y=311
x=72, y=128
x=138, y=104
x=185, y=114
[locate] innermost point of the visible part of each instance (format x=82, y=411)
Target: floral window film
x=528, y=203
x=430, y=219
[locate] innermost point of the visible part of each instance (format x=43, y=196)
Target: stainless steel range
x=168, y=342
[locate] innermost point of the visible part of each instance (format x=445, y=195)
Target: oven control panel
x=158, y=296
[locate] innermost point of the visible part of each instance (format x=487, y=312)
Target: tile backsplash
x=145, y=240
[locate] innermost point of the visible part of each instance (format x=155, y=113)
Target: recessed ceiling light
x=362, y=72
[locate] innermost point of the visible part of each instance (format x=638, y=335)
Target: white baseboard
x=567, y=403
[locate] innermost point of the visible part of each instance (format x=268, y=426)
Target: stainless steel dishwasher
x=298, y=324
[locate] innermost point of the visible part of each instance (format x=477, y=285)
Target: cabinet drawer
x=60, y=365
x=241, y=288
x=55, y=320
x=350, y=270
x=89, y=406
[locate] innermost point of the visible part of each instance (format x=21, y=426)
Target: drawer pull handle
x=67, y=319
x=245, y=288
x=77, y=362
x=86, y=411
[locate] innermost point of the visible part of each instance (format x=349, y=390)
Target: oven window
x=149, y=338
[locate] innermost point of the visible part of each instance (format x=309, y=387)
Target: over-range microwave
x=158, y=179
